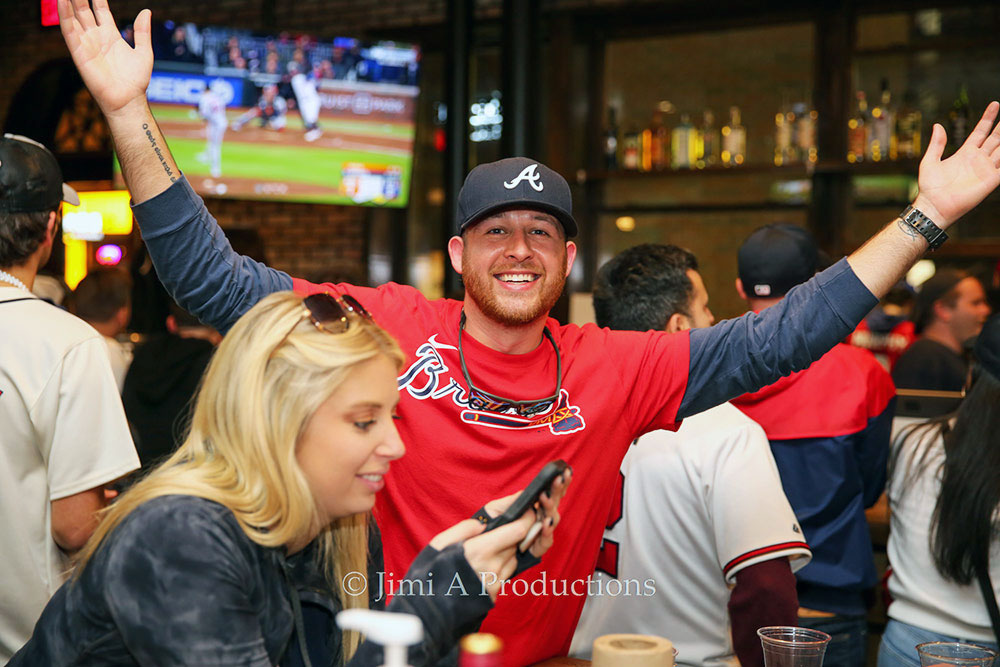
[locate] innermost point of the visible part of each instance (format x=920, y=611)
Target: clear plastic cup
x=947, y=654
x=787, y=646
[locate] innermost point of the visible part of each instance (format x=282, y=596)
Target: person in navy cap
x=829, y=430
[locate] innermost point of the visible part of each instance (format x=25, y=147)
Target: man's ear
x=677, y=322
x=52, y=228
x=942, y=311
x=455, y=247
x=740, y=290
x=570, y=256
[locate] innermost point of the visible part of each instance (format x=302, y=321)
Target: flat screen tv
x=286, y=116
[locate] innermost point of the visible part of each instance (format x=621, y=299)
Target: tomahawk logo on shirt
x=428, y=378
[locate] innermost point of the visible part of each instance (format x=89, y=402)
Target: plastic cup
x=946, y=654
x=787, y=646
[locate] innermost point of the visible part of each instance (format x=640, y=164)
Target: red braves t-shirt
x=615, y=386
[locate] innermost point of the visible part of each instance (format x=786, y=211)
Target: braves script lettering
x=428, y=378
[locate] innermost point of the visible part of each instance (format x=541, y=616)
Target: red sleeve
x=653, y=373
x=764, y=595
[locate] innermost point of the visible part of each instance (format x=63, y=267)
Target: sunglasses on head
x=331, y=312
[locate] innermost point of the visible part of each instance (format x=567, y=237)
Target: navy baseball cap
x=776, y=258
x=516, y=182
x=30, y=177
x=987, y=349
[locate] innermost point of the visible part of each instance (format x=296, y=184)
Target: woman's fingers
x=462, y=530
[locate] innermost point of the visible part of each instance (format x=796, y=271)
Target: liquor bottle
x=646, y=149
x=659, y=143
x=710, y=140
x=683, y=140
x=611, y=142
x=734, y=140
x=480, y=649
x=805, y=132
x=908, y=120
x=784, y=121
x=958, y=119
x=857, y=131
x=883, y=123
x=631, y=149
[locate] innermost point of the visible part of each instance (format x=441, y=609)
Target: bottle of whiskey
x=784, y=122
x=631, y=150
x=881, y=145
x=683, y=144
x=857, y=130
x=611, y=142
x=659, y=143
x=805, y=132
x=710, y=140
x=734, y=140
x=908, y=120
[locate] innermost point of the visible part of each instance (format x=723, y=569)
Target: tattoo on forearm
x=159, y=152
x=907, y=228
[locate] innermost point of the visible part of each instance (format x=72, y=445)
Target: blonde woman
x=264, y=508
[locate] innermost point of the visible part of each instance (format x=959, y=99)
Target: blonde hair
x=267, y=378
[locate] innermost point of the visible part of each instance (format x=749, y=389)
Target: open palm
x=956, y=185
x=115, y=73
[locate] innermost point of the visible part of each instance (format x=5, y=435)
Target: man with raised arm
x=494, y=388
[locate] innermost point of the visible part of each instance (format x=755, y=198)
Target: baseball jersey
x=616, y=386
x=63, y=432
x=694, y=507
x=829, y=429
x=212, y=108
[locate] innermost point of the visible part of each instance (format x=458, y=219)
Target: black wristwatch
x=924, y=226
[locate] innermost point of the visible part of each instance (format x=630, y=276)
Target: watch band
x=924, y=226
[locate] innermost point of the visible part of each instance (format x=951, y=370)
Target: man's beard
x=511, y=312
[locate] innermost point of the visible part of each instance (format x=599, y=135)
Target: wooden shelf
x=722, y=207
x=798, y=170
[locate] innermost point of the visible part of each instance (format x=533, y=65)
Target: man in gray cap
x=494, y=388
x=64, y=433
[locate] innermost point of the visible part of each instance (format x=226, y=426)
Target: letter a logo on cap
x=527, y=174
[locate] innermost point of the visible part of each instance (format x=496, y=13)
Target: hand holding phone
x=526, y=500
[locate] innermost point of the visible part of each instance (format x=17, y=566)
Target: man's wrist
x=924, y=205
x=915, y=223
x=129, y=112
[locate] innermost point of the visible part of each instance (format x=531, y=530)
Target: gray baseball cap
x=516, y=182
x=30, y=177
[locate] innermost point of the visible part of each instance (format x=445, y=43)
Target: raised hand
x=116, y=74
x=951, y=188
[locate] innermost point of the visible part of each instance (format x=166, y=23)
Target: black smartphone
x=524, y=502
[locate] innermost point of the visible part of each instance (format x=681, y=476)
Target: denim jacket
x=178, y=582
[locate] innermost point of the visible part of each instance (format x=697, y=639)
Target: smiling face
x=348, y=443
x=513, y=264
x=970, y=311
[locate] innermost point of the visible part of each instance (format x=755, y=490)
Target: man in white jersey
x=307, y=98
x=64, y=434
x=698, y=544
x=212, y=109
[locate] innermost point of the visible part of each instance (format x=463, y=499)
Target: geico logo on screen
x=186, y=90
